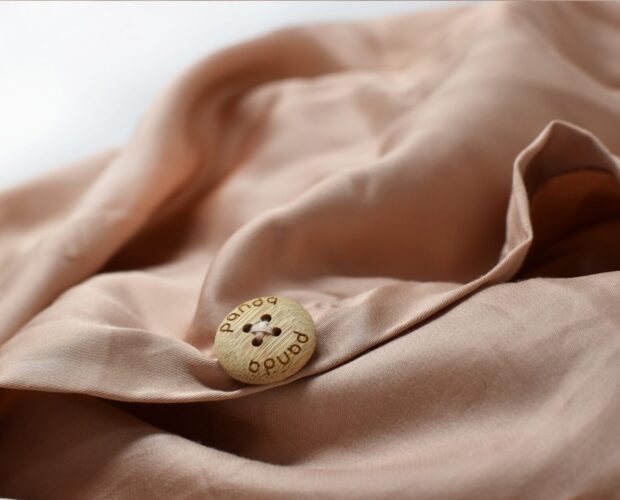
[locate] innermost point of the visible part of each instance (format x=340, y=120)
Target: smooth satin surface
x=440, y=190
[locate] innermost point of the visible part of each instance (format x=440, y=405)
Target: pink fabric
x=438, y=190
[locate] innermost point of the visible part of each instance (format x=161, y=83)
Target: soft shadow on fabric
x=576, y=224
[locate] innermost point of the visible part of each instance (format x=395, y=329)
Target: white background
x=76, y=77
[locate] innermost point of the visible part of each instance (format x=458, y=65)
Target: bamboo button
x=265, y=340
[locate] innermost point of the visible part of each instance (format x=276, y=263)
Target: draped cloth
x=440, y=190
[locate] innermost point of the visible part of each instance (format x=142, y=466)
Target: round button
x=265, y=340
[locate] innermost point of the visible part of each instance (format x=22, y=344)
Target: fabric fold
x=347, y=326
x=439, y=190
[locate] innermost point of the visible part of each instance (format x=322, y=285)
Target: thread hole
x=247, y=328
x=265, y=317
x=276, y=331
x=256, y=341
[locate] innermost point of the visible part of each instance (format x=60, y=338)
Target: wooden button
x=265, y=340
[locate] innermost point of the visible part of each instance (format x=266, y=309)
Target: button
x=265, y=340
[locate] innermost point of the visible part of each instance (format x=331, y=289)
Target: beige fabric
x=439, y=190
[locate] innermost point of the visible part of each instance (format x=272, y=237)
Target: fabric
x=439, y=190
